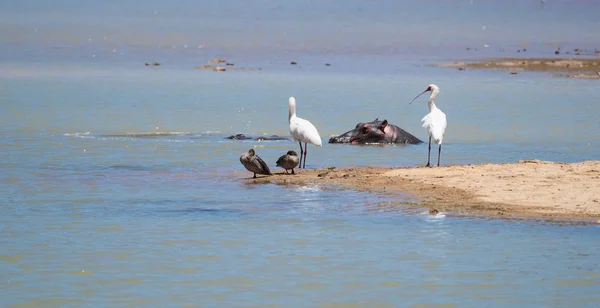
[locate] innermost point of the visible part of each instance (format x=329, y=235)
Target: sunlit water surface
x=119, y=188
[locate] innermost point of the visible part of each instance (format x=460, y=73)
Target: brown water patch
x=232, y=242
x=186, y=282
x=186, y=270
x=81, y=272
x=86, y=292
x=339, y=227
x=472, y=286
x=312, y=286
x=576, y=282
x=333, y=221
x=107, y=282
x=390, y=284
x=412, y=256
x=310, y=258
x=12, y=180
x=371, y=304
x=431, y=264
x=354, y=285
x=203, y=258
x=136, y=302
x=38, y=302
x=220, y=296
x=183, y=242
x=59, y=227
x=28, y=267
x=134, y=280
x=10, y=259
x=111, y=229
x=436, y=286
x=230, y=281
x=284, y=221
x=466, y=274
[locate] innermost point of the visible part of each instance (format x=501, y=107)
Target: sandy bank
x=561, y=67
x=527, y=188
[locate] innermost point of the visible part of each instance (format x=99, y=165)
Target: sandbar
x=582, y=68
x=525, y=189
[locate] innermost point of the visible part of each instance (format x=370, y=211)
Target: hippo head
x=372, y=132
x=375, y=132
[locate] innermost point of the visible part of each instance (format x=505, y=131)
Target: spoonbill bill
x=254, y=163
x=302, y=131
x=434, y=122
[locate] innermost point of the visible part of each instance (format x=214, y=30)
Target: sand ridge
x=529, y=188
x=580, y=68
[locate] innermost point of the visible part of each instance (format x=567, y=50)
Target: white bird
x=434, y=121
x=302, y=131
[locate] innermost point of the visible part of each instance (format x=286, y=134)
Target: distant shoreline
x=528, y=189
x=581, y=68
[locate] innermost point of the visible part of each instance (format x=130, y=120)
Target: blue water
x=118, y=187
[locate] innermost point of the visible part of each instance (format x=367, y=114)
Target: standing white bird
x=434, y=121
x=302, y=131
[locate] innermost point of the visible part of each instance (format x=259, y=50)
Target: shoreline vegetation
x=525, y=189
x=583, y=68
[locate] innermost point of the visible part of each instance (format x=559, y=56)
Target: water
x=120, y=189
x=94, y=215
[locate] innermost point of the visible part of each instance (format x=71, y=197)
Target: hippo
x=375, y=132
x=259, y=138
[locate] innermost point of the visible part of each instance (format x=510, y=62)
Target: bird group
x=256, y=165
x=302, y=130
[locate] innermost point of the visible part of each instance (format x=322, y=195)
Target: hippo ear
x=383, y=125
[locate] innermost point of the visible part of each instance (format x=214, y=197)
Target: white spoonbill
x=302, y=131
x=434, y=121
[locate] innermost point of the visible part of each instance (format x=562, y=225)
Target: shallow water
x=118, y=187
x=96, y=214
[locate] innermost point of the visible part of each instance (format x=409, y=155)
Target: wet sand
x=535, y=189
x=560, y=67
